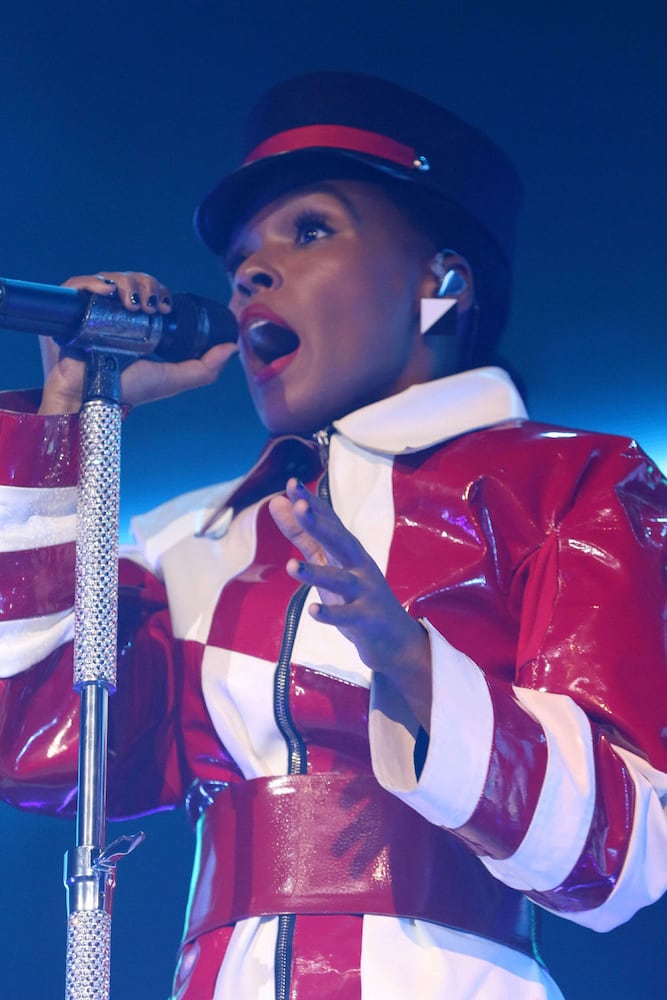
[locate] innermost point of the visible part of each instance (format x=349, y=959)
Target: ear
x=447, y=296
x=454, y=270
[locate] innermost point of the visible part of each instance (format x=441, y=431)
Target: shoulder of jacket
x=183, y=516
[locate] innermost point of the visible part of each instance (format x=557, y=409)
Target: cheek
x=389, y=280
x=365, y=292
x=390, y=311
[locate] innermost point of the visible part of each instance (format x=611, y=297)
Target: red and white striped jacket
x=340, y=853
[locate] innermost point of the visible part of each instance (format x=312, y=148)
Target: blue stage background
x=117, y=117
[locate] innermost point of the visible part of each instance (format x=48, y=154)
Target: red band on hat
x=335, y=137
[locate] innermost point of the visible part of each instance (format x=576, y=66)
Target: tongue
x=270, y=341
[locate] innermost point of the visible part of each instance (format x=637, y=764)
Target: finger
x=152, y=293
x=133, y=291
x=310, y=524
x=122, y=284
x=317, y=518
x=282, y=511
x=100, y=284
x=330, y=579
x=107, y=281
x=165, y=302
x=136, y=290
x=345, y=617
x=146, y=381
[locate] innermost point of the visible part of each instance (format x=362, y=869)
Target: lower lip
x=276, y=367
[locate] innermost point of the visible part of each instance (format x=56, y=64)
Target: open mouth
x=270, y=341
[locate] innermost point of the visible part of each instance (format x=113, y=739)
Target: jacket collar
x=420, y=417
x=431, y=412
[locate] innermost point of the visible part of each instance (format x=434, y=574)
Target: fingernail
x=166, y=301
x=300, y=487
x=108, y=281
x=152, y=301
x=134, y=299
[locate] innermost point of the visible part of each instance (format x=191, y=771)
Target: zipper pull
x=322, y=439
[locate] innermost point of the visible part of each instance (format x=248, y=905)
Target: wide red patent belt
x=331, y=843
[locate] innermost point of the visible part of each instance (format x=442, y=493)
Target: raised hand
x=355, y=596
x=141, y=381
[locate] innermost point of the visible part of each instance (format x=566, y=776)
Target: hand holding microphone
x=128, y=312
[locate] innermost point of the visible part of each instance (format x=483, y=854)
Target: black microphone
x=80, y=320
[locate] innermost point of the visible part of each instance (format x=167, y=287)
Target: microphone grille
x=193, y=326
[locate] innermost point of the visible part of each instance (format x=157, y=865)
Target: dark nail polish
x=300, y=487
x=166, y=301
x=108, y=281
x=152, y=301
x=134, y=299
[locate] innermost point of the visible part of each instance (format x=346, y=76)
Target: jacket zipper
x=297, y=753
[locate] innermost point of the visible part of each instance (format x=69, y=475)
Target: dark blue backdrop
x=116, y=117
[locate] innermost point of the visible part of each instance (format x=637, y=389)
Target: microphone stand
x=90, y=867
x=100, y=327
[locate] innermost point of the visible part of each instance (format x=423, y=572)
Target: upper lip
x=257, y=313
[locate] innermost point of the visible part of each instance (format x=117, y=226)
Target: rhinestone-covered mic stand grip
x=96, y=600
x=90, y=869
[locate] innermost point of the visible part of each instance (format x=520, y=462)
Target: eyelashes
x=308, y=226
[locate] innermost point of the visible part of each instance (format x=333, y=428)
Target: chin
x=306, y=417
x=304, y=423
x=291, y=425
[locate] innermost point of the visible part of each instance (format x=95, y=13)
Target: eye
x=311, y=226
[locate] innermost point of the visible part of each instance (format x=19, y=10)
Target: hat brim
x=251, y=186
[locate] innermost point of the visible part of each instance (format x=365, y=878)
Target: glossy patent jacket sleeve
x=38, y=709
x=557, y=780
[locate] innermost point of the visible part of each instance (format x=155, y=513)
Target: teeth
x=270, y=341
x=255, y=323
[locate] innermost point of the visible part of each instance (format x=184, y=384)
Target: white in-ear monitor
x=451, y=281
x=438, y=314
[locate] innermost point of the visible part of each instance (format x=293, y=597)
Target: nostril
x=262, y=279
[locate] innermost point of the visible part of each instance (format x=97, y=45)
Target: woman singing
x=408, y=675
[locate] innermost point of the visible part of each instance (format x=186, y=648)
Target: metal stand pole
x=90, y=868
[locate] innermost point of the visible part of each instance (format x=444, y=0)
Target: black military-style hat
x=315, y=124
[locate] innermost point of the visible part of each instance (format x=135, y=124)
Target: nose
x=255, y=273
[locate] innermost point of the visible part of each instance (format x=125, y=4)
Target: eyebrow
x=325, y=187
x=316, y=187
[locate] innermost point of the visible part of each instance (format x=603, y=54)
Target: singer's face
x=326, y=287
